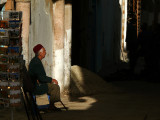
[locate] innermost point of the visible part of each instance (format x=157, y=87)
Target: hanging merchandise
x=3, y=32
x=3, y=24
x=14, y=33
x=3, y=49
x=4, y=40
x=10, y=58
x=5, y=16
x=14, y=24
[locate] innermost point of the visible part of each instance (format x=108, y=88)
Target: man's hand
x=54, y=81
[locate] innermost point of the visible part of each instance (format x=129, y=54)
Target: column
x=58, y=29
x=9, y=5
x=24, y=6
x=67, y=45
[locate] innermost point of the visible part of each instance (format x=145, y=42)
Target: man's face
x=43, y=53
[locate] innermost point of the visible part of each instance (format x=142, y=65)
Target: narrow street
x=82, y=45
x=125, y=100
x=131, y=100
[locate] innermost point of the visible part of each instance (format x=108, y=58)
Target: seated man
x=43, y=84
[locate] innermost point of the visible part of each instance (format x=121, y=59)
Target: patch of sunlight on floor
x=83, y=103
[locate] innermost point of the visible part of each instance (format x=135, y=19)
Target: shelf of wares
x=10, y=58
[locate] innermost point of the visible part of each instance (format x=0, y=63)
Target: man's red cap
x=37, y=48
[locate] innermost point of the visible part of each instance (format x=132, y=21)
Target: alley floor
x=132, y=100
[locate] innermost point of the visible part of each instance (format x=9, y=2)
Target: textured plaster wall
x=67, y=44
x=41, y=32
x=25, y=8
x=51, y=26
x=58, y=25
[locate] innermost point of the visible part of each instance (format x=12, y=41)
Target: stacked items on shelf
x=10, y=58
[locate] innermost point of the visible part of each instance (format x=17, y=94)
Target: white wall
x=47, y=25
x=41, y=32
x=67, y=44
x=124, y=4
x=2, y=1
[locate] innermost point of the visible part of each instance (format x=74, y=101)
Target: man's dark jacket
x=37, y=72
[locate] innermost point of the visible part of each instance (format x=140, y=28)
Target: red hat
x=37, y=48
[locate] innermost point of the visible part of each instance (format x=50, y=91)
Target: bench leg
x=63, y=105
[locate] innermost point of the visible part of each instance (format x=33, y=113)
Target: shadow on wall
x=96, y=34
x=81, y=23
x=112, y=47
x=117, y=32
x=82, y=82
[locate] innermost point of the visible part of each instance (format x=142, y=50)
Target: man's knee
x=55, y=87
